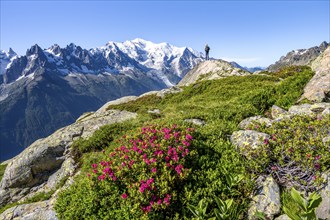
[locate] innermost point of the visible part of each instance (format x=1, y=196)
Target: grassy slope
x=222, y=104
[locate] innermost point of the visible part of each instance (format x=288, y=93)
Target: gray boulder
x=248, y=140
x=323, y=211
x=255, y=120
x=309, y=109
x=266, y=198
x=304, y=109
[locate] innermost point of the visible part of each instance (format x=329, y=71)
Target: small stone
x=326, y=141
x=155, y=112
x=195, y=121
x=278, y=112
x=282, y=217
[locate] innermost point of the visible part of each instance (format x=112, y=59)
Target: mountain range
x=46, y=89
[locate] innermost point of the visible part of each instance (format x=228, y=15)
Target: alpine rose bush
x=146, y=170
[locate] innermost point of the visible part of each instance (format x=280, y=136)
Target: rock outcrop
x=41, y=166
x=211, y=69
x=299, y=57
x=318, y=88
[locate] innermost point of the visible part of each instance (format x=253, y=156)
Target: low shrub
x=298, y=155
x=140, y=179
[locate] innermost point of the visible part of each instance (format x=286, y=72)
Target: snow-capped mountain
x=46, y=89
x=5, y=59
x=163, y=62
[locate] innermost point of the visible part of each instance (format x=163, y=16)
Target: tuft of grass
x=141, y=105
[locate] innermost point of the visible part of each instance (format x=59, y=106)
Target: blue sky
x=254, y=33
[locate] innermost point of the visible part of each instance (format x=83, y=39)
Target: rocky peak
x=34, y=50
x=11, y=52
x=324, y=45
x=55, y=49
x=211, y=69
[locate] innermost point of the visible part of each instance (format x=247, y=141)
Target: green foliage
x=303, y=209
x=100, y=139
x=199, y=211
x=2, y=170
x=225, y=210
x=146, y=172
x=216, y=168
x=298, y=155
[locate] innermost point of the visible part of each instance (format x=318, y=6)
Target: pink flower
x=159, y=201
x=147, y=161
x=102, y=177
x=167, y=199
x=188, y=137
x=317, y=157
x=175, y=158
x=186, y=143
x=124, y=196
x=178, y=169
x=94, y=165
x=123, y=164
x=148, y=208
x=126, y=157
x=153, y=160
x=150, y=181
x=317, y=166
x=88, y=174
x=154, y=170
x=266, y=141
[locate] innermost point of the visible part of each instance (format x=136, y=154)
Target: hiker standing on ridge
x=207, y=50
